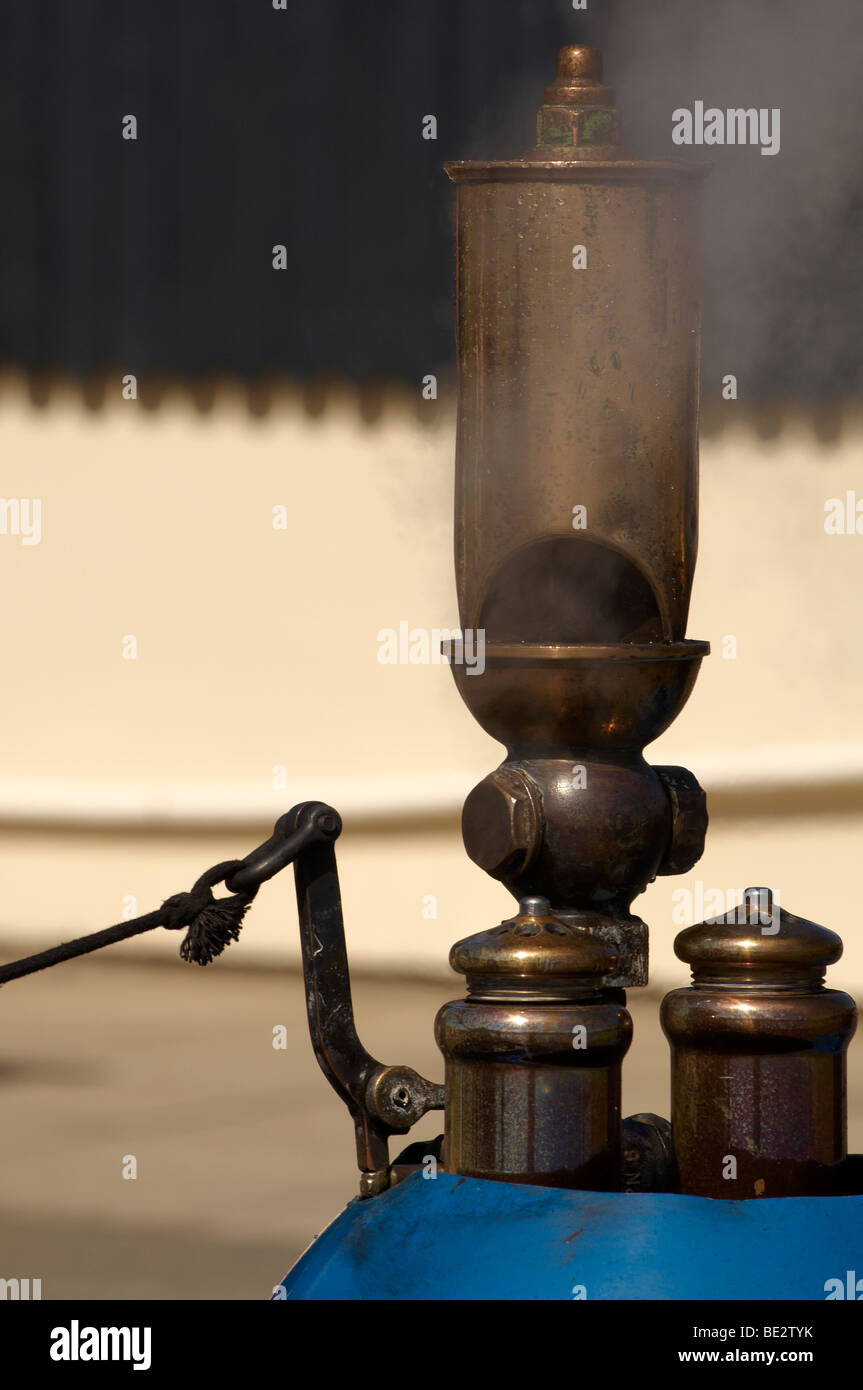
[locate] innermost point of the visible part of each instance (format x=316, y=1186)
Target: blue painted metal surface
x=462, y=1238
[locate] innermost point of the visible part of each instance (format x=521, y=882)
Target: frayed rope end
x=213, y=929
x=211, y=923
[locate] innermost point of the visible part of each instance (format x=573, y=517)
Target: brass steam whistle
x=575, y=541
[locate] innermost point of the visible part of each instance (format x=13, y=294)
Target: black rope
x=211, y=923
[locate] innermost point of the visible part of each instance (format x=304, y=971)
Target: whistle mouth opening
x=686, y=650
x=537, y=165
x=573, y=590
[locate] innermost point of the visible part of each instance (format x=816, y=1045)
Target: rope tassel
x=212, y=923
x=214, y=929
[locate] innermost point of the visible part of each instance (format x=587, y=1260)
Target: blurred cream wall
x=257, y=650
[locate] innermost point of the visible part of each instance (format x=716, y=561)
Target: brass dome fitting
x=538, y=1029
x=758, y=1050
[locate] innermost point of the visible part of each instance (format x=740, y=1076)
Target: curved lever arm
x=382, y=1100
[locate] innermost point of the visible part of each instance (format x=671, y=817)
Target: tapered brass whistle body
x=575, y=543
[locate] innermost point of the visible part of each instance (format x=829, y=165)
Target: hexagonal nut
x=556, y=126
x=501, y=822
x=688, y=820
x=561, y=126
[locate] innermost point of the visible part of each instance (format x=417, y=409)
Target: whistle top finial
x=579, y=111
x=578, y=66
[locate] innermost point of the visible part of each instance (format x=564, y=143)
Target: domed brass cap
x=578, y=81
x=533, y=955
x=758, y=943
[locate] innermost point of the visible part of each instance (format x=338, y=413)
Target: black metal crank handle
x=382, y=1100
